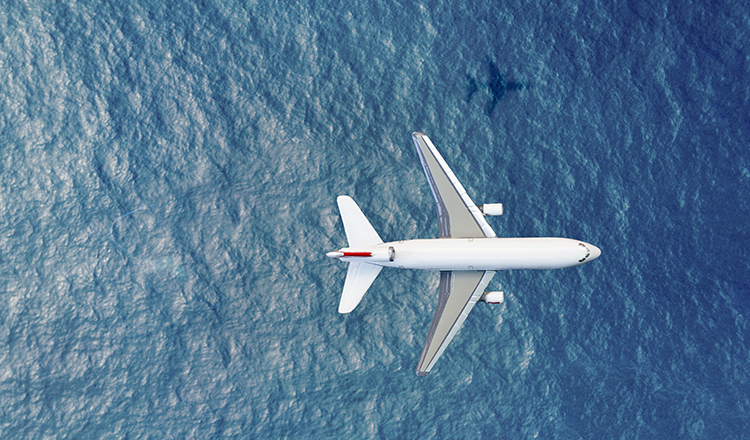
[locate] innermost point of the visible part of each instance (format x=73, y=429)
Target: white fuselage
x=447, y=254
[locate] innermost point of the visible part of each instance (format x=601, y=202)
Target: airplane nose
x=595, y=252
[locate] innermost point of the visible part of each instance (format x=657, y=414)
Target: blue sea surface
x=168, y=176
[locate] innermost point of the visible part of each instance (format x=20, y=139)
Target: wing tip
x=346, y=308
x=418, y=135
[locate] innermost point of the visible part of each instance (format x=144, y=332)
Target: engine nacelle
x=493, y=297
x=492, y=209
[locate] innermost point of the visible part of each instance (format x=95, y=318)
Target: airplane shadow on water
x=496, y=87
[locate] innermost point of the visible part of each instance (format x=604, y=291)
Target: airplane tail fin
x=360, y=234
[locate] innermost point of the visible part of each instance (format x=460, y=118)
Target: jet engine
x=493, y=297
x=492, y=209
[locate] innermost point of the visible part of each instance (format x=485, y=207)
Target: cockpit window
x=588, y=252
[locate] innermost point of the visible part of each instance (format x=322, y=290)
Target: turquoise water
x=168, y=185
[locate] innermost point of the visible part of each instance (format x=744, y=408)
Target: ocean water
x=167, y=195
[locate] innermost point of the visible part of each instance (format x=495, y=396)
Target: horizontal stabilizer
x=359, y=231
x=359, y=277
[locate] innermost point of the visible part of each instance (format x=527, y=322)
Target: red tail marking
x=358, y=254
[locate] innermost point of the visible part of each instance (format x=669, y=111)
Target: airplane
x=497, y=86
x=467, y=254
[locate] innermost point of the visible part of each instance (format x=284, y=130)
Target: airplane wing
x=459, y=291
x=458, y=216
